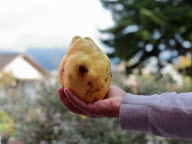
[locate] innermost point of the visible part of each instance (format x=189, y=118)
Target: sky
x=28, y=24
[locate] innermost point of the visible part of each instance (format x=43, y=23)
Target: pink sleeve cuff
x=133, y=112
x=167, y=115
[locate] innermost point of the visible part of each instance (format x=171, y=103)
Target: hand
x=108, y=107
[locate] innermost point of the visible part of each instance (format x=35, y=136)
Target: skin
x=108, y=107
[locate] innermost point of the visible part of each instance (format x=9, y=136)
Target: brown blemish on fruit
x=97, y=90
x=88, y=91
x=106, y=80
x=82, y=70
x=89, y=84
x=91, y=90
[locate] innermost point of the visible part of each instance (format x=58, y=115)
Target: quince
x=85, y=70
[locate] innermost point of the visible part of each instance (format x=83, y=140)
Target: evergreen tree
x=149, y=28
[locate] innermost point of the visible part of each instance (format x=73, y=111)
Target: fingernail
x=65, y=90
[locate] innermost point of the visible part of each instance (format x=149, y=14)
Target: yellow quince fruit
x=85, y=70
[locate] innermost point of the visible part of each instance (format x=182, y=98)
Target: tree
x=6, y=125
x=7, y=80
x=149, y=28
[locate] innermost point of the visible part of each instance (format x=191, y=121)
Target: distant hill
x=8, y=52
x=50, y=59
x=47, y=58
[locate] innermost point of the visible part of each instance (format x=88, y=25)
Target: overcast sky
x=49, y=23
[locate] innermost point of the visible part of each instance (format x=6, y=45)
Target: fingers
x=77, y=102
x=93, y=109
x=70, y=106
x=65, y=101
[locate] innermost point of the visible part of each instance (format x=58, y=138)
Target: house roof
x=5, y=59
x=33, y=63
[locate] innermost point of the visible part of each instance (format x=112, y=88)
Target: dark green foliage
x=149, y=28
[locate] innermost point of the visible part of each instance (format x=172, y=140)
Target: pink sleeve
x=167, y=115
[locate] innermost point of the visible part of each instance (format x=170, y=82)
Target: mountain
x=8, y=52
x=47, y=58
x=50, y=59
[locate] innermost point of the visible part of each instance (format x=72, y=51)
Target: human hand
x=108, y=107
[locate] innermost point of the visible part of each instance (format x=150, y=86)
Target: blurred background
x=149, y=43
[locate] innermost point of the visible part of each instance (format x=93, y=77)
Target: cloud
x=47, y=23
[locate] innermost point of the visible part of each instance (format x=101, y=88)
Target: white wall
x=21, y=69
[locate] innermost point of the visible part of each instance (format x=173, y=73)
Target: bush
x=47, y=121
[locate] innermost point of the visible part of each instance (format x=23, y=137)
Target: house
x=24, y=75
